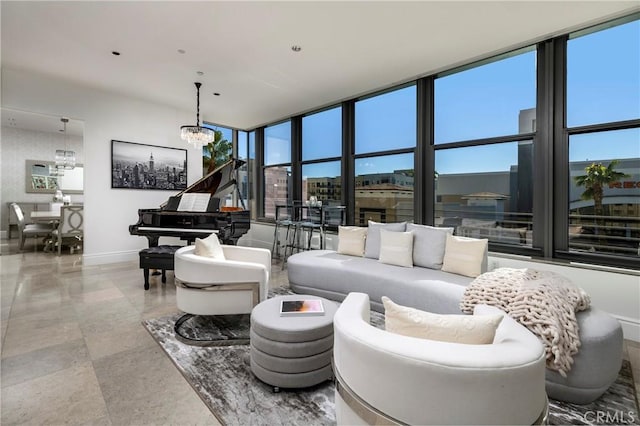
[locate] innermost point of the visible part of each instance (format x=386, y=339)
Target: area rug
x=223, y=379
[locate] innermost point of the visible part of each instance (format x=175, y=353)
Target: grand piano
x=174, y=218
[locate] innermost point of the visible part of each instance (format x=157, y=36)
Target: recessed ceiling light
x=199, y=72
x=115, y=53
x=216, y=94
x=296, y=48
x=182, y=51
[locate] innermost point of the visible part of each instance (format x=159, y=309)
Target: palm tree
x=216, y=153
x=594, y=181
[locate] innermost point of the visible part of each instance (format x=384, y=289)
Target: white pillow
x=464, y=256
x=469, y=329
x=372, y=245
x=396, y=248
x=428, y=245
x=351, y=240
x=209, y=247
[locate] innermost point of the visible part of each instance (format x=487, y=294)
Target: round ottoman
x=288, y=351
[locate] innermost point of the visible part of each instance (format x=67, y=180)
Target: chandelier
x=64, y=160
x=197, y=135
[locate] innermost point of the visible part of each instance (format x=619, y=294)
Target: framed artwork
x=139, y=166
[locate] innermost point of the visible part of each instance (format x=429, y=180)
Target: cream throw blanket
x=543, y=301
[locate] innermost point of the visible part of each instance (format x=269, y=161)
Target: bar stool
x=284, y=219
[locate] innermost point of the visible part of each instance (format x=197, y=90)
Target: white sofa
x=329, y=274
x=384, y=377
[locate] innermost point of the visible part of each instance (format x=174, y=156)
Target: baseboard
x=112, y=257
x=630, y=327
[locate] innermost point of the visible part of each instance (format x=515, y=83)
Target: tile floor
x=74, y=350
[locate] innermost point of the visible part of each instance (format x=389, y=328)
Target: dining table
x=47, y=216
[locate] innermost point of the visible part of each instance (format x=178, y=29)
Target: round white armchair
x=234, y=285
x=387, y=378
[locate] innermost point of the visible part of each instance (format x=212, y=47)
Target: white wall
x=106, y=116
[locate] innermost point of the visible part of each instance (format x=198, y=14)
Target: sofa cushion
x=351, y=240
x=332, y=275
x=428, y=245
x=464, y=256
x=209, y=247
x=396, y=248
x=469, y=329
x=372, y=247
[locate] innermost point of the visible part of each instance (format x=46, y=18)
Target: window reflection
x=486, y=191
x=277, y=144
x=277, y=190
x=384, y=189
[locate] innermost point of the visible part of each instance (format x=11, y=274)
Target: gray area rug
x=223, y=379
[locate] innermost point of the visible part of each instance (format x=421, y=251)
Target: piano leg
x=153, y=240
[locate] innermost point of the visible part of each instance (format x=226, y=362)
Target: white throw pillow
x=372, y=245
x=351, y=240
x=464, y=256
x=209, y=247
x=428, y=245
x=396, y=248
x=469, y=329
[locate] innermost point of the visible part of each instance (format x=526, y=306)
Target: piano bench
x=159, y=257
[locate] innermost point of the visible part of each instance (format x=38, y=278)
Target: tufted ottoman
x=597, y=363
x=159, y=257
x=291, y=352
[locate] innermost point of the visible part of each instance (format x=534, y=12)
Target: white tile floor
x=74, y=350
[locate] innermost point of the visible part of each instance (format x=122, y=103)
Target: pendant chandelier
x=65, y=160
x=197, y=135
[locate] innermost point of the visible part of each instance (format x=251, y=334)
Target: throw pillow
x=372, y=249
x=469, y=329
x=351, y=240
x=209, y=247
x=428, y=245
x=464, y=256
x=396, y=248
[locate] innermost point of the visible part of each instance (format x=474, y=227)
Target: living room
x=57, y=61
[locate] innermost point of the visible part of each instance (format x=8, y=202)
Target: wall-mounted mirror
x=38, y=178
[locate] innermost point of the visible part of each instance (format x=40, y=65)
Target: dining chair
x=30, y=229
x=70, y=230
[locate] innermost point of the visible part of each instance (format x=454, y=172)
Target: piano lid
x=219, y=182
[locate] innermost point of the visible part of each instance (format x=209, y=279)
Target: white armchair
x=387, y=378
x=208, y=286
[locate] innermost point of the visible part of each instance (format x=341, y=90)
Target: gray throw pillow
x=372, y=245
x=428, y=245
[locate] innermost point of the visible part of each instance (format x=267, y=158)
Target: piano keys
x=170, y=220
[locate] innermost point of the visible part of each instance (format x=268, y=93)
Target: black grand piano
x=173, y=218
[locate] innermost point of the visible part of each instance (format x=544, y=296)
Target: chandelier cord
x=198, y=105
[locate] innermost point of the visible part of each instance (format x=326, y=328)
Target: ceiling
x=40, y=122
x=244, y=49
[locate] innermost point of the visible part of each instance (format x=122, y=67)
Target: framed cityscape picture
x=139, y=166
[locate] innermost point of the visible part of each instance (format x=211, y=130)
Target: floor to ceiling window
x=321, y=154
x=484, y=124
x=277, y=167
x=385, y=141
x=602, y=110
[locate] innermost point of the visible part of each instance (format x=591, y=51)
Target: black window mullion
x=426, y=154
x=559, y=193
x=543, y=177
x=348, y=160
x=259, y=168
x=296, y=157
